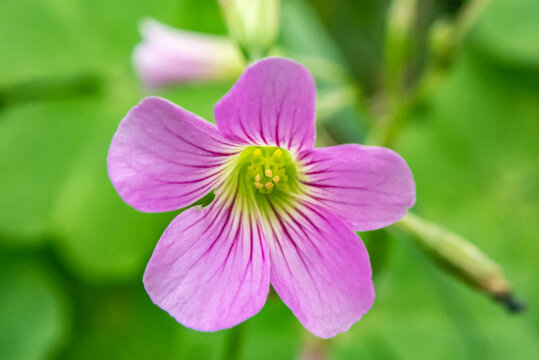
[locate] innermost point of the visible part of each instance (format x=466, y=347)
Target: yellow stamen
x=278, y=152
x=268, y=173
x=276, y=179
x=269, y=185
x=259, y=185
x=257, y=178
x=257, y=152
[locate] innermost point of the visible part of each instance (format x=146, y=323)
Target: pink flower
x=167, y=56
x=283, y=212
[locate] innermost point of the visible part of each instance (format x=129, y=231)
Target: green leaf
x=122, y=323
x=509, y=31
x=32, y=310
x=274, y=333
x=37, y=146
x=62, y=37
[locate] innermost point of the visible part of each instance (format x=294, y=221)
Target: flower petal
x=319, y=267
x=163, y=157
x=210, y=269
x=369, y=187
x=167, y=56
x=272, y=103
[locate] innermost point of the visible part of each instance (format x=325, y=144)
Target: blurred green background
x=72, y=253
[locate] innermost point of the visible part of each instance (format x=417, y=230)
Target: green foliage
x=33, y=309
x=122, y=323
x=508, y=31
x=73, y=253
x=473, y=153
x=37, y=143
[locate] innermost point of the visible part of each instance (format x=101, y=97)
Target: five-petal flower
x=284, y=212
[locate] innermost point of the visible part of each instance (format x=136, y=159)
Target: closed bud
x=253, y=24
x=167, y=56
x=462, y=258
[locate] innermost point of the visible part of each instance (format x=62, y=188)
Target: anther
x=269, y=185
x=257, y=152
x=257, y=178
x=259, y=185
x=268, y=173
x=278, y=152
x=276, y=179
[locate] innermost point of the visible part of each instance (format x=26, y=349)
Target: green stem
x=399, y=104
x=47, y=89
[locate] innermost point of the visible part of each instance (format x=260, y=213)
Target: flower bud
x=254, y=24
x=167, y=56
x=462, y=258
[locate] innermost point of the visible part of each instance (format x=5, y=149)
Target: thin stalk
x=46, y=89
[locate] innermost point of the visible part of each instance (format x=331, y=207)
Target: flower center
x=267, y=170
x=262, y=178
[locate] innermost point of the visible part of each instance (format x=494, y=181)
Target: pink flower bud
x=167, y=56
